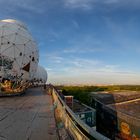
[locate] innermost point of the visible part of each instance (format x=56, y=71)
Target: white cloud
x=83, y=4
x=94, y=77
x=85, y=63
x=85, y=44
x=80, y=49
x=54, y=58
x=76, y=24
x=73, y=70
x=105, y=5
x=110, y=68
x=111, y=1
x=80, y=71
x=34, y=6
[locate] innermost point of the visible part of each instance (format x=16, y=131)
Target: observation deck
x=27, y=117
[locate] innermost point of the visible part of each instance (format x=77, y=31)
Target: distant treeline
x=82, y=93
x=102, y=88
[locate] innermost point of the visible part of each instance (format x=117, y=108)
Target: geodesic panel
x=41, y=75
x=18, y=53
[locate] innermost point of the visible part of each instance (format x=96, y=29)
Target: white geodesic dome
x=41, y=75
x=18, y=52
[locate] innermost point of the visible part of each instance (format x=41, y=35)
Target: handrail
x=86, y=131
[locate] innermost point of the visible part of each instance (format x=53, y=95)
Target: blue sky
x=83, y=41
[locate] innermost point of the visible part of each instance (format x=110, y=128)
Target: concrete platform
x=11, y=94
x=27, y=117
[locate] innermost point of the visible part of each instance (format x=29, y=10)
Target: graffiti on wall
x=6, y=63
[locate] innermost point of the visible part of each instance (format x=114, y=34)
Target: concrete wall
x=76, y=127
